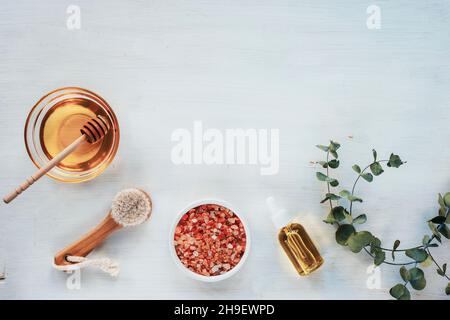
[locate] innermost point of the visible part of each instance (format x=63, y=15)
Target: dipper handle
x=93, y=131
x=42, y=171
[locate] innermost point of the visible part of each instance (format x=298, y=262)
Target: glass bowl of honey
x=55, y=122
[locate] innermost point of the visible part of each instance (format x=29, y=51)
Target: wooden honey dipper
x=92, y=131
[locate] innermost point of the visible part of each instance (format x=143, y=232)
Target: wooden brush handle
x=89, y=241
x=42, y=171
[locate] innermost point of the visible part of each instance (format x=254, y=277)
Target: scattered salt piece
x=215, y=269
x=195, y=253
x=229, y=246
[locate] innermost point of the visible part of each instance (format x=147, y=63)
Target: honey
x=61, y=126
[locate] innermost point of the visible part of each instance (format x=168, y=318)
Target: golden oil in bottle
x=61, y=126
x=299, y=248
x=295, y=241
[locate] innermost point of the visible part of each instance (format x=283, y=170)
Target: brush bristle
x=131, y=207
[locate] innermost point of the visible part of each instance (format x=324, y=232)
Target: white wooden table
x=312, y=69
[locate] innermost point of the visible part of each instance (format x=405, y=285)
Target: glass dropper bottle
x=295, y=241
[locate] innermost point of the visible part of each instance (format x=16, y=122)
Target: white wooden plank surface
x=310, y=68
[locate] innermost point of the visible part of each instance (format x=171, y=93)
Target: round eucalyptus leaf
x=400, y=292
x=404, y=273
x=359, y=240
x=379, y=258
x=356, y=168
x=333, y=164
x=418, y=255
x=338, y=213
x=343, y=233
x=447, y=199
x=417, y=278
x=367, y=176
x=376, y=168
x=360, y=219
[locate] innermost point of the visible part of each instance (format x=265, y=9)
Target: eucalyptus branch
x=356, y=241
x=443, y=272
x=357, y=179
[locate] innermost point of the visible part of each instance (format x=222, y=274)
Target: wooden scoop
x=93, y=131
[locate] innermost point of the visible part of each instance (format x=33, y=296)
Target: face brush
x=92, y=132
x=130, y=207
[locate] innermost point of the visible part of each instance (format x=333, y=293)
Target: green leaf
x=441, y=203
x=343, y=233
x=334, y=146
x=362, y=218
x=338, y=213
x=334, y=154
x=443, y=270
x=444, y=230
x=367, y=176
x=356, y=168
x=447, y=289
x=349, y=196
x=330, y=196
x=321, y=176
x=334, y=183
x=417, y=278
x=333, y=164
x=400, y=292
x=375, y=245
x=396, y=244
x=374, y=152
x=438, y=219
x=376, y=168
x=394, y=161
x=404, y=273
x=344, y=193
x=379, y=258
x=359, y=240
x=322, y=147
x=418, y=255
x=425, y=240
x=447, y=199
x=330, y=219
x=324, y=164
x=435, y=231
x=354, y=198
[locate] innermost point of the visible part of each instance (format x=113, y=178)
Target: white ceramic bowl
x=193, y=274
